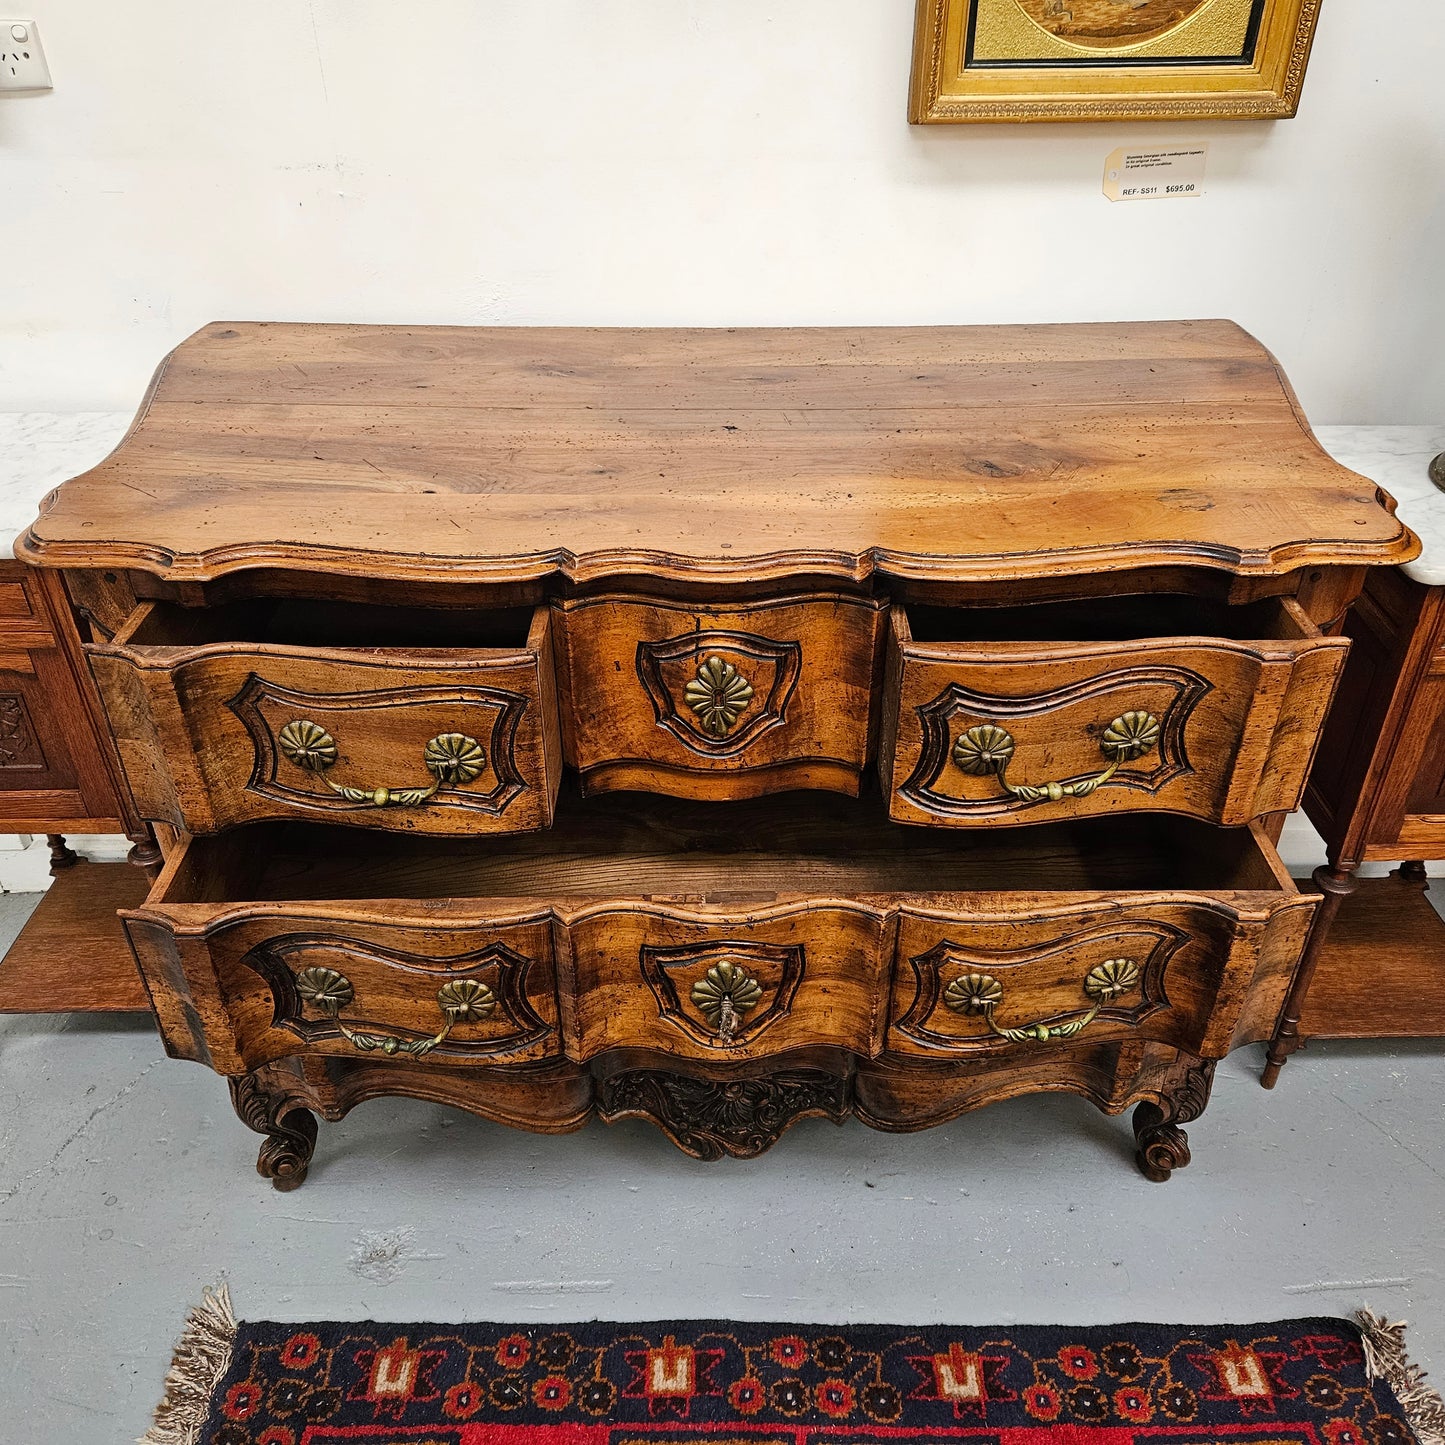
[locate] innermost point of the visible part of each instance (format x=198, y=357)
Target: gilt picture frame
x=1067, y=60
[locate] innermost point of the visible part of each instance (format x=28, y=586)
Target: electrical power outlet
x=22, y=61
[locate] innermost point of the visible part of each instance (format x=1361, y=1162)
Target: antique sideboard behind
x=59, y=774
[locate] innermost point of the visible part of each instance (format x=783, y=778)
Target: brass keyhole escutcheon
x=724, y=996
x=719, y=695
x=453, y=760
x=987, y=749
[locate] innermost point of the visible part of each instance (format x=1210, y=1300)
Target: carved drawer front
x=299, y=981
x=732, y=986
x=409, y=720
x=711, y=701
x=1027, y=715
x=974, y=983
x=716, y=935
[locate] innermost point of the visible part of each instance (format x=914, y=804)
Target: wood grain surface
x=72, y=955
x=809, y=664
x=1381, y=973
x=58, y=769
x=516, y=454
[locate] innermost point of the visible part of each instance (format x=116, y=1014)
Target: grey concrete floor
x=126, y=1184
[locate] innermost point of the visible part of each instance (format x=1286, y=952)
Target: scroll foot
x=1163, y=1144
x=290, y=1131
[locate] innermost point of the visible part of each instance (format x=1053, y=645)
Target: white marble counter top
x=1398, y=458
x=39, y=450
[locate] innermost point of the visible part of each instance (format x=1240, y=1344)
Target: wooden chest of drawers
x=717, y=727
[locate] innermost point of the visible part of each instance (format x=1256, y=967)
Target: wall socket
x=22, y=61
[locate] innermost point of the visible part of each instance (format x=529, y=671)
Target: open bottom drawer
x=729, y=933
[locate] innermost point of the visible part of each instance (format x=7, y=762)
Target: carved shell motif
x=719, y=694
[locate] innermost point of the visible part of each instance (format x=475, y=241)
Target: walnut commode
x=721, y=727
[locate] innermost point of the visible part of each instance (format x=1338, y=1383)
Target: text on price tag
x=1155, y=175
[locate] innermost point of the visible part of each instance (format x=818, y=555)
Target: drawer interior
x=1112, y=619
x=639, y=845
x=307, y=622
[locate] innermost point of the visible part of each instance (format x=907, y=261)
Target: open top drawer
x=730, y=933
x=411, y=719
x=1030, y=714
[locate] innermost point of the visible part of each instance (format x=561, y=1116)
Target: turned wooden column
x=1336, y=881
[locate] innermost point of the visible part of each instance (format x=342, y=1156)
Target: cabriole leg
x=1336, y=882
x=1163, y=1144
x=289, y=1129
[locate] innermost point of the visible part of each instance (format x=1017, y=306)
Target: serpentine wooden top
x=513, y=454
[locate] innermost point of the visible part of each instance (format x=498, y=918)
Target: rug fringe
x=1386, y=1359
x=202, y=1357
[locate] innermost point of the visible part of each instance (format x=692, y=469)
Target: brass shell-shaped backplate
x=719, y=694
x=973, y=993
x=466, y=998
x=454, y=759
x=1130, y=736
x=308, y=745
x=325, y=988
x=984, y=749
x=726, y=980
x=1106, y=981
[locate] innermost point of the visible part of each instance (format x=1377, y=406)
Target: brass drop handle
x=724, y=996
x=464, y=999
x=987, y=749
x=981, y=993
x=451, y=758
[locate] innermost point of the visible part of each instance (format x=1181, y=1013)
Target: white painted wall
x=686, y=161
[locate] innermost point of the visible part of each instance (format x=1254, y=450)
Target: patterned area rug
x=1298, y=1382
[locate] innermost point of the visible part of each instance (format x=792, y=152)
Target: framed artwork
x=1011, y=60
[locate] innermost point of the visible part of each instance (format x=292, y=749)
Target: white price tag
x=1156, y=175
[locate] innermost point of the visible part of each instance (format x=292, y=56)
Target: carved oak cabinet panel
x=719, y=728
